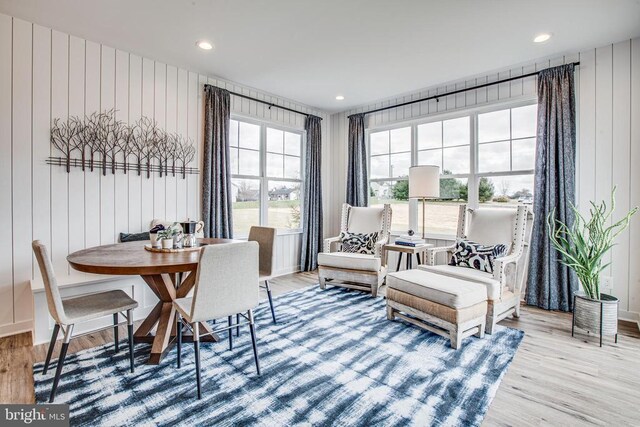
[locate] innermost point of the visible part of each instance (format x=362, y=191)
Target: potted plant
x=167, y=235
x=582, y=247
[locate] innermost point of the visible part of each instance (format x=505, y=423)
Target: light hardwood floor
x=554, y=379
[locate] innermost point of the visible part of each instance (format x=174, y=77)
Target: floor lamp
x=424, y=183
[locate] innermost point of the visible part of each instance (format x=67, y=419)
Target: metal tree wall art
x=100, y=140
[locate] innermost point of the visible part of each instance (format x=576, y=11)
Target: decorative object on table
x=489, y=226
x=410, y=233
x=582, y=247
x=166, y=223
x=448, y=387
x=166, y=236
x=189, y=230
x=424, y=183
x=99, y=140
x=410, y=240
x=153, y=234
x=171, y=250
x=365, y=272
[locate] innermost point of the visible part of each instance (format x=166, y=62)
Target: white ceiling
x=313, y=50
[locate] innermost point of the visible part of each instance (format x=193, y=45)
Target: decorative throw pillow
x=134, y=237
x=359, y=243
x=475, y=255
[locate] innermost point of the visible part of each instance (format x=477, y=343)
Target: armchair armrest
x=328, y=242
x=378, y=249
x=500, y=269
x=432, y=252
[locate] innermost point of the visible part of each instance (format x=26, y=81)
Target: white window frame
x=263, y=178
x=473, y=177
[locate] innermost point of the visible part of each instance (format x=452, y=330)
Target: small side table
x=409, y=251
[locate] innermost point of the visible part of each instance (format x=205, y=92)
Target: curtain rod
x=437, y=97
x=270, y=104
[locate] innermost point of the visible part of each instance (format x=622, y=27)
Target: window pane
x=430, y=157
x=400, y=164
x=430, y=135
x=401, y=140
x=275, y=140
x=456, y=131
x=524, y=154
x=524, y=121
x=507, y=191
x=493, y=126
x=275, y=165
x=246, y=205
x=292, y=167
x=442, y=216
x=233, y=133
x=292, y=143
x=379, y=167
x=234, y=160
x=249, y=136
x=456, y=160
x=284, y=205
x=494, y=157
x=395, y=193
x=453, y=188
x=379, y=142
x=248, y=162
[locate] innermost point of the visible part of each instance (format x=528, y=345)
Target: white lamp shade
x=424, y=182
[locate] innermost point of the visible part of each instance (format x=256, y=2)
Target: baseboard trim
x=16, y=328
x=629, y=316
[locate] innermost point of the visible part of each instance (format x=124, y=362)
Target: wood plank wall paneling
x=47, y=74
x=608, y=103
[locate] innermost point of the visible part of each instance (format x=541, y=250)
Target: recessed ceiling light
x=205, y=45
x=541, y=38
x=340, y=97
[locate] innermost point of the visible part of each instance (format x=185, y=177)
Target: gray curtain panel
x=312, y=206
x=357, y=174
x=216, y=169
x=551, y=285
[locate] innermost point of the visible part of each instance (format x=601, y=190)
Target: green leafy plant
x=584, y=244
x=170, y=232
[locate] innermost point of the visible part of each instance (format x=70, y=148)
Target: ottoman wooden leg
x=323, y=282
x=480, y=333
x=390, y=315
x=455, y=335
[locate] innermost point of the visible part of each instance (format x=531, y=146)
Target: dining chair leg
x=273, y=313
x=115, y=332
x=52, y=344
x=63, y=354
x=196, y=348
x=230, y=320
x=130, y=336
x=252, y=328
x=179, y=338
x=238, y=323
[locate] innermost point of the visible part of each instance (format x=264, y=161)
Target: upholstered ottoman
x=444, y=305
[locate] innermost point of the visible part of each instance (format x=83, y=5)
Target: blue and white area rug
x=332, y=359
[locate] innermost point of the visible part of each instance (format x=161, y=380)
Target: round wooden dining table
x=170, y=275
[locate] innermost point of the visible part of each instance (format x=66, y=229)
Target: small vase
x=154, y=239
x=596, y=316
x=167, y=243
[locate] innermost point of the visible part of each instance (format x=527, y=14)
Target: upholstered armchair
x=357, y=270
x=490, y=226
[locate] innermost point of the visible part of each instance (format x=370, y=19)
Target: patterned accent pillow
x=357, y=243
x=474, y=255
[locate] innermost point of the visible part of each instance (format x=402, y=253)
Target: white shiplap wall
x=608, y=100
x=45, y=74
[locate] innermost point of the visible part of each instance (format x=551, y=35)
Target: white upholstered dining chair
x=226, y=284
x=356, y=270
x=491, y=226
x=68, y=312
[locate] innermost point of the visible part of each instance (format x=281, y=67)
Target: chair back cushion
x=54, y=300
x=266, y=238
x=491, y=226
x=226, y=281
x=365, y=220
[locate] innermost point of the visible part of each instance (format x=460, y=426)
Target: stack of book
x=413, y=241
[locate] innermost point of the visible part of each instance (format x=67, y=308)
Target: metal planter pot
x=596, y=316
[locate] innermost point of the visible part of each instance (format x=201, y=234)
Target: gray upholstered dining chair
x=266, y=238
x=226, y=284
x=69, y=312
